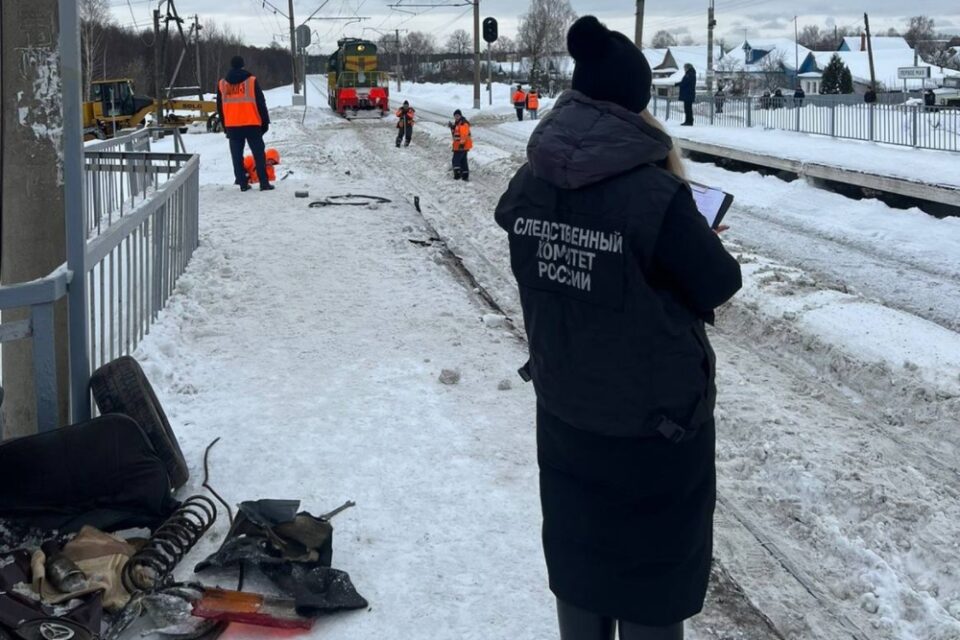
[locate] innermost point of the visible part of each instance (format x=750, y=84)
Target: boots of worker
x=267, y=187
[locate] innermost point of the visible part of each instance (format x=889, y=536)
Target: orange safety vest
x=240, y=103
x=462, y=141
x=410, y=114
x=519, y=97
x=533, y=102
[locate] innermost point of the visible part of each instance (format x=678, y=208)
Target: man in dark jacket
x=798, y=97
x=688, y=93
x=618, y=272
x=243, y=112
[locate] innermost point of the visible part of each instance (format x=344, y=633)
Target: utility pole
x=873, y=76
x=638, y=27
x=32, y=190
x=711, y=23
x=476, y=54
x=293, y=49
x=197, y=27
x=158, y=101
x=796, y=52
x=398, y=60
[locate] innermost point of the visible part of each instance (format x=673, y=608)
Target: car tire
x=122, y=387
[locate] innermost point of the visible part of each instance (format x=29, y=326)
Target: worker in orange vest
x=533, y=103
x=462, y=143
x=519, y=101
x=405, y=123
x=273, y=159
x=243, y=112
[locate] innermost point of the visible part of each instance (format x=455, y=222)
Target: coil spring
x=151, y=567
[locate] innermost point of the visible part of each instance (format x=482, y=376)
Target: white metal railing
x=919, y=126
x=141, y=228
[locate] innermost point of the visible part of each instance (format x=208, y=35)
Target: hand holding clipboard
x=712, y=203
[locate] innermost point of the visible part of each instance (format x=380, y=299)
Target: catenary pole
x=638, y=25
x=293, y=48
x=476, y=54
x=710, y=25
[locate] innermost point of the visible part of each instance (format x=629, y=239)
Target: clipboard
x=712, y=203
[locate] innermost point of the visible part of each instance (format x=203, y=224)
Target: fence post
x=655, y=102
x=713, y=104
x=870, y=115
x=666, y=116
x=833, y=119
x=749, y=111
x=798, y=108
x=916, y=125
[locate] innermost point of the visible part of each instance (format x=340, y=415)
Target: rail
x=920, y=126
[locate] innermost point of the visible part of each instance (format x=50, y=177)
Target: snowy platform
x=916, y=173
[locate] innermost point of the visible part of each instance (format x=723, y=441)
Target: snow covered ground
x=322, y=332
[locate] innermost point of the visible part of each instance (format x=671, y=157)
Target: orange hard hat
x=273, y=156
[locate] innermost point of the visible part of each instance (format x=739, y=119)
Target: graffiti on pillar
x=39, y=103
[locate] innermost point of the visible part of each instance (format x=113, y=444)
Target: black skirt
x=627, y=522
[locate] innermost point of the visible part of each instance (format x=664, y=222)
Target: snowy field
x=312, y=340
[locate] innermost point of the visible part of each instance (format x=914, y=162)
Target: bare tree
x=504, y=46
x=687, y=41
x=733, y=77
x=543, y=32
x=94, y=18
x=663, y=39
x=417, y=45
x=459, y=42
x=920, y=34
x=773, y=71
x=811, y=37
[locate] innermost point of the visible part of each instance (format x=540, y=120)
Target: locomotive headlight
x=360, y=47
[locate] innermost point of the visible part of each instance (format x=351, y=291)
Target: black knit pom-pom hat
x=608, y=65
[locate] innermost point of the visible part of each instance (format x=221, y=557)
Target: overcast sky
x=259, y=24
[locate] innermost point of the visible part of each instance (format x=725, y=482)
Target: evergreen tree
x=846, y=80
x=832, y=75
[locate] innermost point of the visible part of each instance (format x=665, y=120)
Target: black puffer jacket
x=617, y=272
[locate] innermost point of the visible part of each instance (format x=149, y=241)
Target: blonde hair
x=674, y=162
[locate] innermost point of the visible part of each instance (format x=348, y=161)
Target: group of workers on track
x=243, y=111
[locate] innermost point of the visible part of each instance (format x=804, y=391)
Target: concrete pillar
x=32, y=241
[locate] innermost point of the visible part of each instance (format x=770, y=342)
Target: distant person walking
x=243, y=112
x=405, y=115
x=718, y=99
x=462, y=143
x=778, y=99
x=519, y=101
x=618, y=273
x=688, y=93
x=533, y=103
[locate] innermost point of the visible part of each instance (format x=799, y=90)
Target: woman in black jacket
x=618, y=272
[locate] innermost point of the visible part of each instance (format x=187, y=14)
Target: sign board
x=303, y=36
x=952, y=83
x=913, y=73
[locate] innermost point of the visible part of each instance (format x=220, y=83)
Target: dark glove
x=264, y=129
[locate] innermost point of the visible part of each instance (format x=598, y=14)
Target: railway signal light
x=490, y=30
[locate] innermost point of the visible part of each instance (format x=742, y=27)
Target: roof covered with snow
x=751, y=55
x=879, y=43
